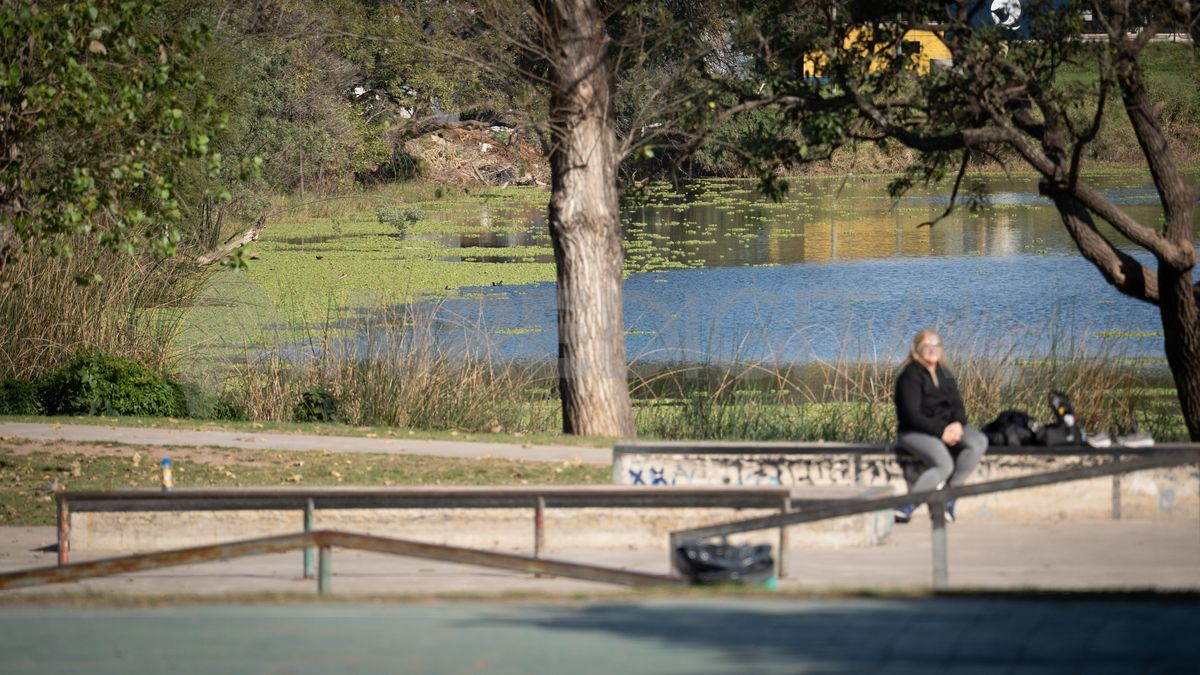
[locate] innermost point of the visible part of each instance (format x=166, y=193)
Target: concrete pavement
x=655, y=635
x=88, y=433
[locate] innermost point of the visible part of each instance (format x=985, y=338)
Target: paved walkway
x=85, y=433
x=658, y=635
x=1078, y=555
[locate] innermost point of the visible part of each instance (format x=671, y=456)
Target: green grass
x=27, y=472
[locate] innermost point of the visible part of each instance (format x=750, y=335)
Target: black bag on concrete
x=1011, y=428
x=705, y=563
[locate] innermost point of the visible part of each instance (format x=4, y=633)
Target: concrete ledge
x=1157, y=494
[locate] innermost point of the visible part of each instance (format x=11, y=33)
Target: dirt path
x=82, y=433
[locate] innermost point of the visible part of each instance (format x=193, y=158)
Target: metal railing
x=309, y=500
x=1163, y=457
x=325, y=540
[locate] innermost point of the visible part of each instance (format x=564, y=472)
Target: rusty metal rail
x=1178, y=455
x=325, y=540
x=309, y=500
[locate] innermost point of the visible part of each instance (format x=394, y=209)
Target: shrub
x=192, y=401
x=399, y=218
x=19, y=397
x=317, y=404
x=97, y=383
x=225, y=409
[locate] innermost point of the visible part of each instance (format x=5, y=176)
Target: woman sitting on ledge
x=932, y=422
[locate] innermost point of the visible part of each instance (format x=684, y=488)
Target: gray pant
x=940, y=464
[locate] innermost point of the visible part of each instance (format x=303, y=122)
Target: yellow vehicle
x=919, y=48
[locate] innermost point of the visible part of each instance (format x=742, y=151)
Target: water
x=838, y=271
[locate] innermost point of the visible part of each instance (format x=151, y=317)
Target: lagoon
x=835, y=271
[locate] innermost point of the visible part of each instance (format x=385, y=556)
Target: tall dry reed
x=400, y=366
x=846, y=399
x=134, y=311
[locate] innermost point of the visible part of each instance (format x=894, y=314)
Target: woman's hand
x=952, y=434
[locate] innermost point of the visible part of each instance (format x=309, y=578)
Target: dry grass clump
x=130, y=307
x=399, y=367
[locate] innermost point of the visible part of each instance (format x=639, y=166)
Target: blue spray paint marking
x=680, y=471
x=656, y=476
x=637, y=477
x=1166, y=501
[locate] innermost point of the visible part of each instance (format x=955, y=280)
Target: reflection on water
x=848, y=273
x=822, y=220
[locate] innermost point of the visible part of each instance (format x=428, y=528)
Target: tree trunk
x=585, y=224
x=1181, y=340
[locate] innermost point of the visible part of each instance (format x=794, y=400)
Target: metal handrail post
x=64, y=531
x=324, y=570
x=781, y=560
x=309, y=517
x=941, y=571
x=539, y=528
x=1116, y=492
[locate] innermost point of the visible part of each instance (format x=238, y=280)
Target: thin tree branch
x=962, y=170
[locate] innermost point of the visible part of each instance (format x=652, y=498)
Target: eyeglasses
x=929, y=346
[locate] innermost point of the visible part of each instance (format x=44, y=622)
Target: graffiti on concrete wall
x=756, y=471
x=1172, y=493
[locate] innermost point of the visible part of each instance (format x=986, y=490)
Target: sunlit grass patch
x=27, y=473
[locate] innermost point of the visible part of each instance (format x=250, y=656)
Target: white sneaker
x=1100, y=440
x=1138, y=439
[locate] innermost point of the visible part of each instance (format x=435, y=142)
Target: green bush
x=19, y=397
x=399, y=218
x=317, y=404
x=193, y=401
x=225, y=409
x=96, y=383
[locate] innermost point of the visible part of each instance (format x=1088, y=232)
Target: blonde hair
x=914, y=354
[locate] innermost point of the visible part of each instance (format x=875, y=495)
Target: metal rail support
x=941, y=569
x=325, y=540
x=1116, y=497
x=539, y=529
x=64, y=531
x=309, y=517
x=324, y=570
x=785, y=507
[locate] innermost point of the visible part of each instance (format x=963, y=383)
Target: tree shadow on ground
x=900, y=635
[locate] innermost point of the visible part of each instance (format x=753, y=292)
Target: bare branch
x=1089, y=135
x=233, y=243
x=1120, y=269
x=962, y=170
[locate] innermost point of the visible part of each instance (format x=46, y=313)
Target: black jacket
x=923, y=407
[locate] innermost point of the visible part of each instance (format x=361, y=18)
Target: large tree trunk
x=1181, y=339
x=585, y=224
x=1177, y=296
